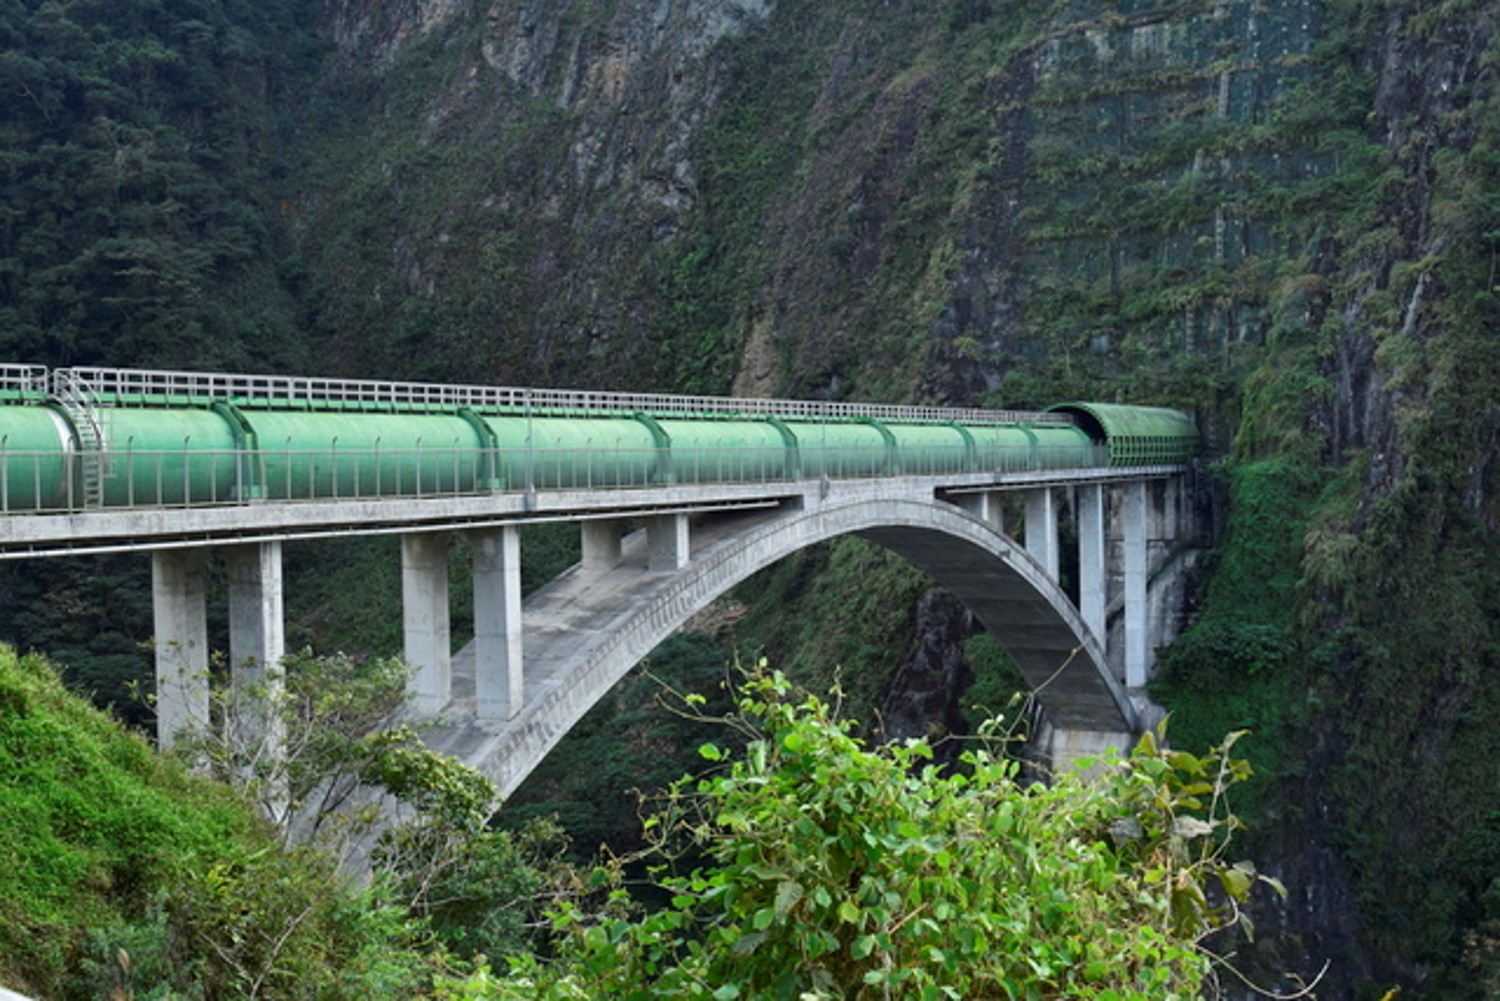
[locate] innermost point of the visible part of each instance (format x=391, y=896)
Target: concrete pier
x=180, y=617
x=987, y=506
x=668, y=542
x=498, y=687
x=1137, y=641
x=1093, y=570
x=257, y=642
x=600, y=539
x=425, y=618
x=1041, y=528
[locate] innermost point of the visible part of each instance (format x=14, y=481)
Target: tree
x=829, y=869
x=316, y=745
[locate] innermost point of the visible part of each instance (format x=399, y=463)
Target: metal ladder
x=86, y=414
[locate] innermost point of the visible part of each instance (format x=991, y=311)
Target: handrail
x=166, y=386
x=23, y=378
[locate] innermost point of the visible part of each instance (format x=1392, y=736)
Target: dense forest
x=1283, y=215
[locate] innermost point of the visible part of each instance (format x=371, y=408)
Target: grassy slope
x=95, y=822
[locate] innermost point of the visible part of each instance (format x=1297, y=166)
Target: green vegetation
x=125, y=872
x=809, y=865
x=140, y=170
x=128, y=876
x=1282, y=215
x=826, y=866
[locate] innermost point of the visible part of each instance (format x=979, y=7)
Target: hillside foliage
x=1282, y=214
x=811, y=865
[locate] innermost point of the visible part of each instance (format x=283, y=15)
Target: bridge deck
x=141, y=529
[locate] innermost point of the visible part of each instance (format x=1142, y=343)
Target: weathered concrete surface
x=140, y=529
x=178, y=597
x=585, y=630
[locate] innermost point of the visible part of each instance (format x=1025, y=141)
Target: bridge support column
x=1064, y=748
x=1093, y=572
x=1137, y=641
x=601, y=544
x=1041, y=528
x=668, y=542
x=180, y=618
x=257, y=643
x=497, y=621
x=985, y=506
x=424, y=606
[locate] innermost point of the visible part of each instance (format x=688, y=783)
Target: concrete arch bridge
x=679, y=498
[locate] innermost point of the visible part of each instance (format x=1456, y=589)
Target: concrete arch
x=1000, y=583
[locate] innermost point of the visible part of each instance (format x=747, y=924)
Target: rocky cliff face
x=1280, y=213
x=527, y=159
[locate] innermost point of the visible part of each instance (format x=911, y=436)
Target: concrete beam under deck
x=131, y=530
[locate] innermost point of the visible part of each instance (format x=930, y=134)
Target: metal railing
x=77, y=399
x=23, y=378
x=168, y=387
x=54, y=481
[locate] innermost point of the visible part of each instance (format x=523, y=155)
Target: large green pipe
x=224, y=453
x=715, y=451
x=326, y=455
x=930, y=449
x=167, y=457
x=841, y=449
x=35, y=443
x=573, y=452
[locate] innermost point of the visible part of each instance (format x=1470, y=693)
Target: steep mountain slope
x=1282, y=213
x=1279, y=213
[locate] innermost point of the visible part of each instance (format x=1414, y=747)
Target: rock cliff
x=1280, y=213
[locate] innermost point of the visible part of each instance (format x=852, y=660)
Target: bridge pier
x=179, y=611
x=1041, y=528
x=1063, y=748
x=667, y=542
x=257, y=643
x=497, y=621
x=1134, y=511
x=425, y=619
x=987, y=506
x=1093, y=568
x=600, y=538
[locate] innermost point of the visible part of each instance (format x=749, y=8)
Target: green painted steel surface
x=715, y=451
x=225, y=453
x=1062, y=447
x=1002, y=448
x=1137, y=435
x=566, y=452
x=167, y=457
x=924, y=449
x=33, y=461
x=839, y=449
x=324, y=455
